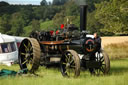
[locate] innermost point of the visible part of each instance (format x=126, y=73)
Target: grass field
x=118, y=76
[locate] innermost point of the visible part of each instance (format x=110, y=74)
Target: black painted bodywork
x=73, y=39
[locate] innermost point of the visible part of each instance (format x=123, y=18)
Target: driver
x=97, y=41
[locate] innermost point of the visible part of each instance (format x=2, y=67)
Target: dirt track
x=110, y=40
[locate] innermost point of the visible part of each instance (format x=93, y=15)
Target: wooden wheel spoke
x=29, y=66
x=64, y=63
x=31, y=53
x=70, y=70
x=101, y=58
x=72, y=62
x=103, y=64
x=31, y=59
x=26, y=48
x=26, y=57
x=25, y=61
x=102, y=69
x=69, y=58
x=29, y=46
x=69, y=62
x=66, y=59
x=23, y=54
x=104, y=61
x=67, y=72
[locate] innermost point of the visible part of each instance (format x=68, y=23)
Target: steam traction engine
x=70, y=48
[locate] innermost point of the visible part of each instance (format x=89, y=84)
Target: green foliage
x=59, y=2
x=113, y=15
x=70, y=12
x=107, y=17
x=5, y=23
x=2, y=3
x=26, y=13
x=91, y=4
x=92, y=24
x=17, y=23
x=58, y=19
x=35, y=25
x=71, y=9
x=45, y=12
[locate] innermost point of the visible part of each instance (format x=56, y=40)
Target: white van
x=8, y=49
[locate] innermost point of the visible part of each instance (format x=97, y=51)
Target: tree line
x=107, y=17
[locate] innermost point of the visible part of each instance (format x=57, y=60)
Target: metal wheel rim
x=69, y=66
x=29, y=54
x=103, y=58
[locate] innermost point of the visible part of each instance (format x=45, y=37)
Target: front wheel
x=104, y=61
x=70, y=64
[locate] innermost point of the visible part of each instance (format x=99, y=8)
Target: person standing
x=97, y=41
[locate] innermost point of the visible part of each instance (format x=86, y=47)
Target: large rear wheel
x=29, y=54
x=70, y=64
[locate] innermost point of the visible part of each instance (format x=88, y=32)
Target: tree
x=71, y=9
x=43, y=3
x=59, y=2
x=17, y=23
x=2, y=3
x=35, y=25
x=92, y=23
x=26, y=13
x=114, y=16
x=91, y=4
x=5, y=23
x=58, y=19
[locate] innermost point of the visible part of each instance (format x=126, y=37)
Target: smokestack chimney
x=83, y=17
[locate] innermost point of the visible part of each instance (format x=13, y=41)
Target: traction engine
x=68, y=47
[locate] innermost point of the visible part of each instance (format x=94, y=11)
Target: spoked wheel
x=70, y=64
x=29, y=55
x=104, y=68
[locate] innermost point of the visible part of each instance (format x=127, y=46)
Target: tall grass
x=49, y=76
x=117, y=50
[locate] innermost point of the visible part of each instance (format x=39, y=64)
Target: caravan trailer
x=8, y=49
